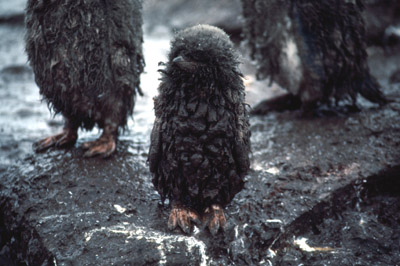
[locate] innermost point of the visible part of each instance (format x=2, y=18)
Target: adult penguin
x=314, y=49
x=87, y=59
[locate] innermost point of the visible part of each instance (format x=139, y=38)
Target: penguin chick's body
x=314, y=49
x=87, y=60
x=200, y=144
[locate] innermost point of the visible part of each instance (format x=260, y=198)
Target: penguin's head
x=202, y=48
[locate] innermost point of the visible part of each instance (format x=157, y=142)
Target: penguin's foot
x=182, y=216
x=331, y=111
x=103, y=146
x=281, y=103
x=66, y=138
x=214, y=218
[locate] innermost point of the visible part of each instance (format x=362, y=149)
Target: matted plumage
x=200, y=142
x=316, y=50
x=87, y=59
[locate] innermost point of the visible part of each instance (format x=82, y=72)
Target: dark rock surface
x=358, y=225
x=61, y=207
x=322, y=190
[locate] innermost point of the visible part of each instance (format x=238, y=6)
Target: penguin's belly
x=200, y=156
x=76, y=60
x=291, y=74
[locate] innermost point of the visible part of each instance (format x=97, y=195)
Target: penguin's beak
x=178, y=59
x=185, y=64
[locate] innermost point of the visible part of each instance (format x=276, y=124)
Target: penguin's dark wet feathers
x=87, y=57
x=200, y=143
x=330, y=39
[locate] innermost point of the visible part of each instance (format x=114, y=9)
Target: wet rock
x=85, y=210
x=12, y=12
x=358, y=224
x=179, y=14
x=395, y=77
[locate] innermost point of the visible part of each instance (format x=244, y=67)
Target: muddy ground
x=322, y=191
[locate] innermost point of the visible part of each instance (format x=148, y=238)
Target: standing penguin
x=200, y=142
x=87, y=59
x=314, y=49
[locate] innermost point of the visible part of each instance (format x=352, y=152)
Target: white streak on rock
x=274, y=221
x=302, y=244
x=63, y=216
x=119, y=208
x=164, y=241
x=273, y=170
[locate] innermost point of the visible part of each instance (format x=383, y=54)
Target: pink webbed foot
x=183, y=217
x=103, y=146
x=66, y=138
x=214, y=218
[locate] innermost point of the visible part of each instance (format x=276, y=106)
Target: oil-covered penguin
x=200, y=141
x=382, y=21
x=314, y=49
x=87, y=59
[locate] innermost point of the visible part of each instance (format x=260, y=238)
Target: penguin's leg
x=182, y=216
x=281, y=103
x=67, y=137
x=105, y=145
x=214, y=218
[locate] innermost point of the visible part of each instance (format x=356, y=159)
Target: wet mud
x=365, y=218
x=322, y=191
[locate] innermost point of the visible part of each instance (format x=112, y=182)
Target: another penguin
x=200, y=141
x=314, y=49
x=382, y=22
x=87, y=59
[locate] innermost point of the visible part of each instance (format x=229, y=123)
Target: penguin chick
x=87, y=60
x=314, y=49
x=200, y=142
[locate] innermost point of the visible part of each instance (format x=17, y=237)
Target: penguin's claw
x=280, y=103
x=215, y=218
x=104, y=146
x=66, y=138
x=182, y=217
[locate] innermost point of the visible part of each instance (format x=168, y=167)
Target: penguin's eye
x=197, y=57
x=178, y=52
